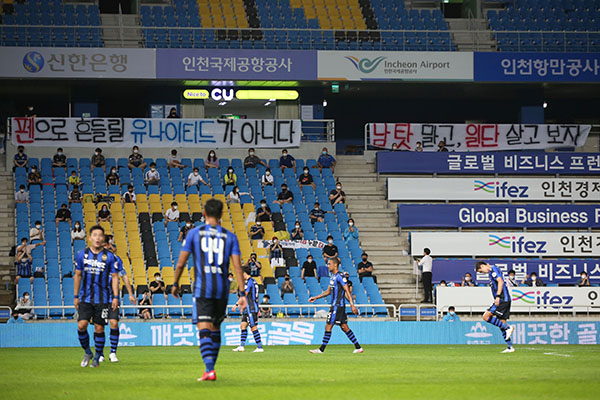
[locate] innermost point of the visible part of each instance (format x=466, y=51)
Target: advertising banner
x=522, y=162
x=494, y=189
x=551, y=272
x=476, y=137
x=498, y=216
x=293, y=244
x=236, y=64
x=78, y=62
x=395, y=65
x=199, y=133
x=537, y=67
x=507, y=244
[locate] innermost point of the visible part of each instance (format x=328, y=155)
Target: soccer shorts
x=114, y=314
x=501, y=310
x=96, y=313
x=209, y=310
x=337, y=316
x=250, y=318
x=24, y=268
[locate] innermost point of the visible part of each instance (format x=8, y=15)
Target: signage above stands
x=225, y=94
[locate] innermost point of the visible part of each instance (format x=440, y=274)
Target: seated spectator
x=266, y=312
x=264, y=212
x=350, y=286
x=104, y=214
x=419, y=147
x=316, y=214
x=136, y=160
x=337, y=196
x=306, y=178
x=234, y=196
x=287, y=286
x=583, y=279
x=443, y=283
x=351, y=232
x=152, y=176
x=195, y=179
x=36, y=232
x=330, y=250
x=276, y=252
x=172, y=214
x=287, y=161
x=468, y=281
x=309, y=268
x=113, y=178
x=157, y=285
x=129, y=195
x=75, y=195
x=365, y=268
x=77, y=233
x=211, y=161
x=533, y=280
x=74, y=180
x=252, y=160
x=21, y=195
x=442, y=146
x=230, y=178
x=30, y=112
x=23, y=307
x=285, y=196
x=59, y=160
x=184, y=230
x=34, y=177
x=24, y=260
x=173, y=113
x=257, y=232
x=267, y=178
x=325, y=160
x=146, y=300
x=20, y=160
x=297, y=233
x=63, y=214
x=394, y=147
x=173, y=161
x=511, y=281
x=233, y=286
x=98, y=160
x=451, y=315
x=254, y=265
x=109, y=243
x=16, y=319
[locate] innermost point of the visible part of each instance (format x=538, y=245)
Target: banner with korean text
x=200, y=133
x=507, y=244
x=494, y=189
x=476, y=137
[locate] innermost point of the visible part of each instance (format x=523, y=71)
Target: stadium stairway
x=128, y=34
x=480, y=37
x=378, y=232
x=7, y=235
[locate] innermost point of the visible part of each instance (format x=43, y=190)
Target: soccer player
x=499, y=311
x=250, y=314
x=94, y=269
x=212, y=246
x=338, y=288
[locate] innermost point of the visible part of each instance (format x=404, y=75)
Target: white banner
x=476, y=137
x=494, y=189
x=395, y=65
x=199, y=133
x=524, y=298
x=63, y=62
x=507, y=244
x=293, y=244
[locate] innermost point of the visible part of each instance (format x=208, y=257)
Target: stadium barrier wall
x=274, y=332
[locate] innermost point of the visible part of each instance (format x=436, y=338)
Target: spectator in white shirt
x=426, y=263
x=22, y=196
x=195, y=179
x=152, y=176
x=23, y=307
x=77, y=233
x=267, y=178
x=129, y=195
x=234, y=196
x=172, y=214
x=173, y=160
x=36, y=232
x=512, y=280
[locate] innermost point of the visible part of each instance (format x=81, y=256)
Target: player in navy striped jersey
x=250, y=314
x=96, y=292
x=499, y=311
x=211, y=246
x=338, y=288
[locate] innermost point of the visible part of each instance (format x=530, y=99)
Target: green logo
x=365, y=65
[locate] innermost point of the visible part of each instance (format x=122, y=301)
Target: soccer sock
x=256, y=334
x=326, y=338
x=99, y=340
x=495, y=321
x=114, y=340
x=352, y=338
x=216, y=339
x=508, y=342
x=243, y=338
x=206, y=349
x=84, y=339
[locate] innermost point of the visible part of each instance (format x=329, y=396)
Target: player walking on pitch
x=250, y=315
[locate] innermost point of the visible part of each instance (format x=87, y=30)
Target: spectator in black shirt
x=365, y=268
x=30, y=112
x=184, y=230
x=173, y=113
x=468, y=281
x=257, y=232
x=34, y=177
x=309, y=268
x=98, y=160
x=264, y=212
x=337, y=195
x=136, y=160
x=287, y=286
x=129, y=195
x=533, y=280
x=266, y=312
x=145, y=313
x=63, y=214
x=297, y=233
x=306, y=178
x=285, y=196
x=254, y=265
x=330, y=250
x=75, y=195
x=20, y=159
x=59, y=160
x=442, y=146
x=104, y=214
x=158, y=285
x=350, y=287
x=316, y=214
x=419, y=147
x=252, y=160
x=113, y=178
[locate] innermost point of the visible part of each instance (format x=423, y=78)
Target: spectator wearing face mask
x=77, y=233
x=297, y=233
x=451, y=315
x=285, y=196
x=234, y=196
x=59, y=160
x=442, y=146
x=152, y=176
x=63, y=214
x=330, y=250
x=287, y=286
x=337, y=196
x=350, y=286
x=75, y=195
x=22, y=195
x=583, y=279
x=365, y=268
x=309, y=268
x=24, y=259
x=230, y=178
x=195, y=179
x=266, y=312
x=20, y=160
x=233, y=286
x=306, y=179
x=23, y=308
x=146, y=300
x=16, y=319
x=253, y=160
x=276, y=252
x=184, y=230
x=174, y=161
x=316, y=214
x=532, y=280
x=30, y=112
x=325, y=160
x=34, y=177
x=257, y=231
x=173, y=113
x=129, y=195
x=172, y=214
x=112, y=179
x=419, y=147
x=254, y=265
x=158, y=285
x=136, y=160
x=468, y=281
x=264, y=212
x=98, y=160
x=511, y=281
x=36, y=232
x=267, y=178
x=104, y=214
x=351, y=232
x=74, y=180
x=211, y=160
x=287, y=161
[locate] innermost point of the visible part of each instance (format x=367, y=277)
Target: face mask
x=364, y=259
x=305, y=172
x=97, y=153
x=174, y=207
x=59, y=153
x=251, y=153
x=285, y=154
x=130, y=190
x=258, y=223
x=284, y=190
x=195, y=173
x=38, y=226
x=309, y=260
x=297, y=226
x=157, y=279
x=534, y=278
x=467, y=279
x=350, y=223
x=77, y=226
x=583, y=276
x=230, y=171
x=22, y=190
x=230, y=279
x=330, y=241
x=317, y=208
x=153, y=169
x=267, y=173
x=135, y=151
x=188, y=225
x=452, y=313
x=263, y=205
x=114, y=171
x=21, y=151
x=211, y=155
x=338, y=187
x=324, y=153
x=26, y=297
x=511, y=276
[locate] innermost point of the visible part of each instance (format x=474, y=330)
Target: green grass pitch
x=290, y=372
